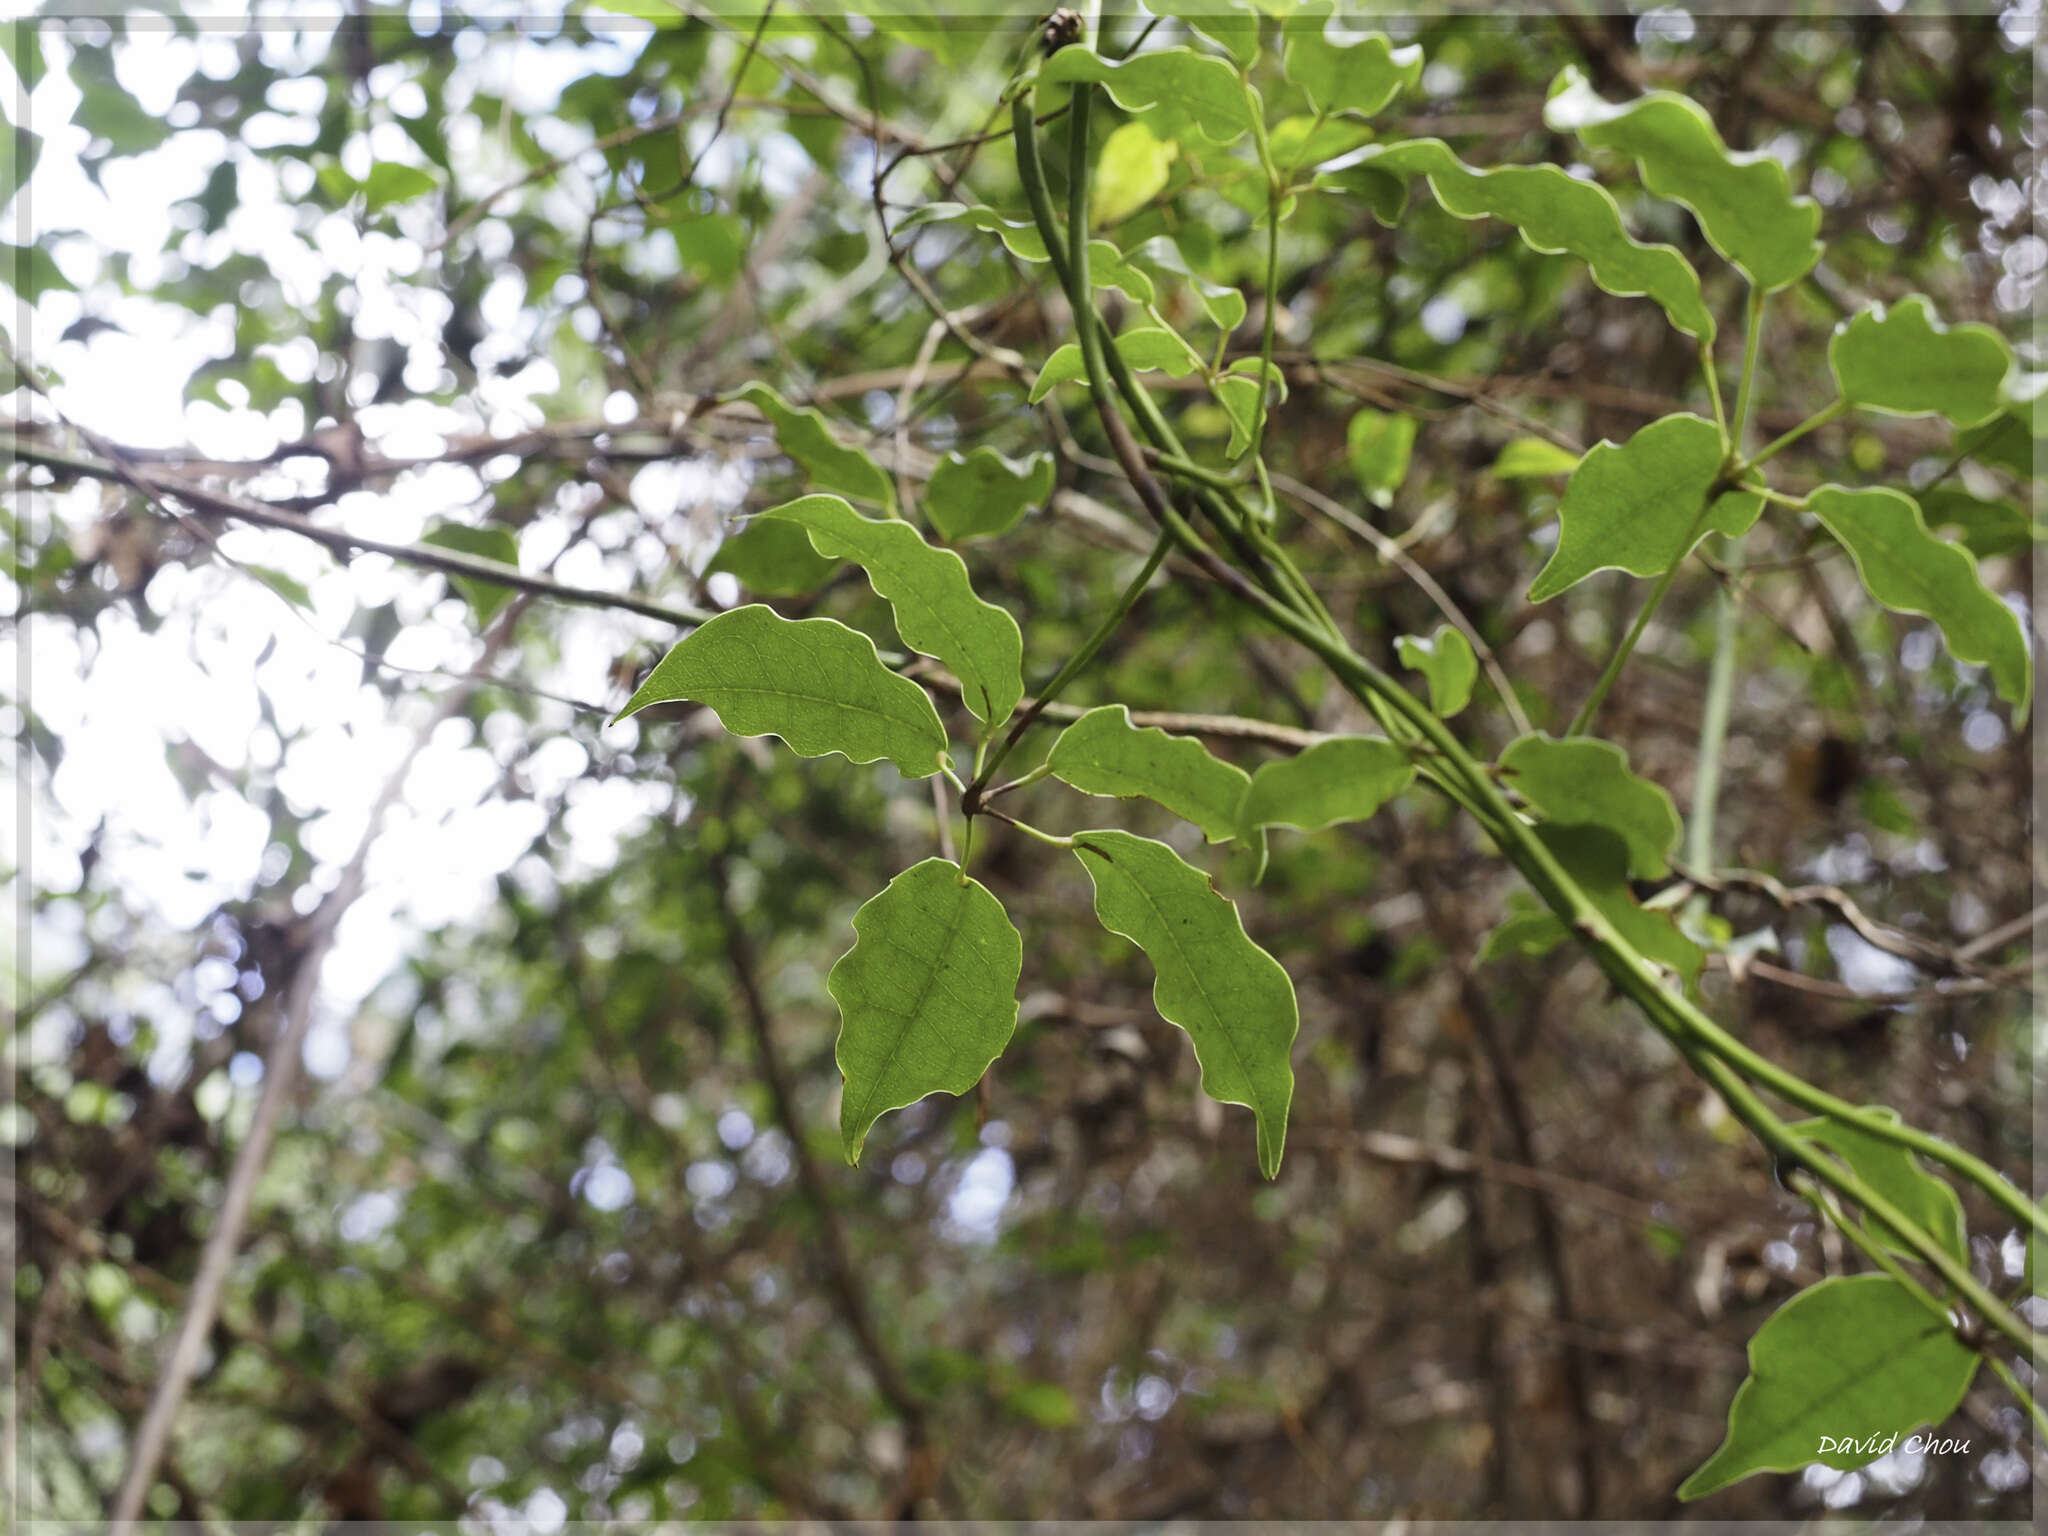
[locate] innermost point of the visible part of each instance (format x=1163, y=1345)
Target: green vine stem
x=1727, y=1064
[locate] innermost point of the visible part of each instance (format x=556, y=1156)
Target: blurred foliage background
x=556, y=1224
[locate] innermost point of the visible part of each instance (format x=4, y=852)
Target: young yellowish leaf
x=1834, y=1374
x=1533, y=458
x=927, y=995
x=936, y=609
x=1132, y=169
x=1909, y=570
x=1233, y=999
x=813, y=682
x=1379, y=444
x=1102, y=753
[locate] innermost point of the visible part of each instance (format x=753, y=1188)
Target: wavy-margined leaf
x=813, y=682
x=1379, y=445
x=1556, y=213
x=1987, y=527
x=1744, y=202
x=1107, y=267
x=981, y=494
x=1905, y=362
x=937, y=611
x=1237, y=391
x=1147, y=348
x=803, y=434
x=1446, y=663
x=1199, y=86
x=771, y=559
x=1223, y=304
x=1346, y=778
x=1298, y=142
x=1636, y=506
x=487, y=598
x=1909, y=570
x=1132, y=168
x=1534, y=458
x=1833, y=1375
x=1102, y=753
x=1896, y=1174
x=1582, y=782
x=1229, y=22
x=1597, y=858
x=1346, y=77
x=927, y=995
x=1233, y=999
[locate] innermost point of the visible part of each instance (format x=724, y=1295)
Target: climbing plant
x=928, y=992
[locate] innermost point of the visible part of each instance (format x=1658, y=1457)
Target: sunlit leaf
x=813, y=682
x=389, y=182
x=1909, y=570
x=1896, y=1174
x=1378, y=444
x=1233, y=999
x=1532, y=458
x=1346, y=778
x=1346, y=77
x=1582, y=782
x=1743, y=201
x=1855, y=1360
x=1200, y=85
x=1299, y=142
x=1905, y=362
x=1636, y=506
x=803, y=434
x=1446, y=661
x=980, y=494
x=937, y=611
x=1131, y=170
x=927, y=995
x=1556, y=212
x=1102, y=753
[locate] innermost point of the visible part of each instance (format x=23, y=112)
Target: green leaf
x=19, y=151
x=1855, y=1359
x=983, y=493
x=1636, y=507
x=1211, y=94
x=1534, y=458
x=1148, y=348
x=803, y=434
x=1233, y=999
x=1909, y=570
x=1744, y=202
x=813, y=682
x=1597, y=859
x=773, y=560
x=1346, y=778
x=487, y=598
x=1445, y=659
x=1379, y=444
x=290, y=588
x=1107, y=267
x=936, y=609
x=1893, y=1172
x=1581, y=782
x=1223, y=304
x=1988, y=528
x=1339, y=77
x=1237, y=391
x=1905, y=362
x=1529, y=931
x=389, y=182
x=1229, y=22
x=1102, y=753
x=1132, y=169
x=1556, y=213
x=1295, y=142
x=927, y=995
